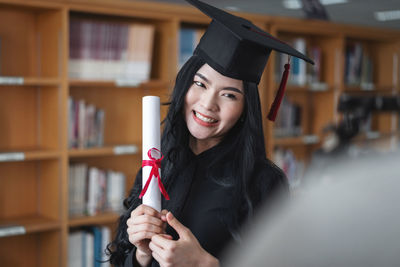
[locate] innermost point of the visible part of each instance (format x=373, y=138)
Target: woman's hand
x=186, y=251
x=144, y=223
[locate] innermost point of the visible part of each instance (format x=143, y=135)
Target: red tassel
x=279, y=95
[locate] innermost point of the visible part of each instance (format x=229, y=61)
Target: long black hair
x=246, y=148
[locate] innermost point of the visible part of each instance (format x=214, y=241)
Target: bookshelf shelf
x=29, y=154
x=29, y=81
x=32, y=224
x=113, y=84
x=104, y=151
x=305, y=140
x=359, y=90
x=290, y=88
x=103, y=218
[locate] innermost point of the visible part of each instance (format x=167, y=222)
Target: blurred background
x=72, y=75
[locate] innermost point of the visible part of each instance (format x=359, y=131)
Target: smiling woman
x=215, y=167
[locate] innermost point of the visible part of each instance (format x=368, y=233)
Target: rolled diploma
x=150, y=139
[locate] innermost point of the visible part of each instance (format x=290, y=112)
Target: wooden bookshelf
x=318, y=107
x=34, y=118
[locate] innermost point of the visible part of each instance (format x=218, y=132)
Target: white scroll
x=151, y=139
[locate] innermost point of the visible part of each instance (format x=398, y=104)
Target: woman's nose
x=209, y=100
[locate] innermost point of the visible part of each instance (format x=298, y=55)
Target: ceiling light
x=297, y=4
x=292, y=4
x=332, y=2
x=232, y=8
x=387, y=15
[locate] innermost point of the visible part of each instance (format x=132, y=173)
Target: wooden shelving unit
x=35, y=87
x=319, y=106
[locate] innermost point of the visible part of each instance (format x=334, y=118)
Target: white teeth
x=198, y=115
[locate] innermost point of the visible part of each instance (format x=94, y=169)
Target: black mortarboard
x=237, y=48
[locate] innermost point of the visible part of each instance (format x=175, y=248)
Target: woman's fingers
x=145, y=219
x=157, y=257
x=144, y=209
x=145, y=227
x=137, y=237
x=163, y=241
x=164, y=215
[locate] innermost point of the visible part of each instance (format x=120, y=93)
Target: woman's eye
x=231, y=96
x=199, y=84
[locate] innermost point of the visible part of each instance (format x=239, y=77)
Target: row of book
x=93, y=191
x=302, y=73
x=293, y=168
x=188, y=40
x=85, y=124
x=288, y=120
x=86, y=247
x=358, y=67
x=110, y=50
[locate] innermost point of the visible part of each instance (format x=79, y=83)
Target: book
x=288, y=120
x=298, y=75
x=188, y=40
x=87, y=247
x=105, y=240
x=97, y=246
x=358, y=67
x=75, y=249
x=77, y=189
x=139, y=52
x=85, y=125
x=93, y=190
x=103, y=50
x=314, y=71
x=115, y=190
x=292, y=167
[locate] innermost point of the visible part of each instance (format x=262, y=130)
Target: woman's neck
x=198, y=146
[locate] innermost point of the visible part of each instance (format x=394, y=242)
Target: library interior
x=76, y=72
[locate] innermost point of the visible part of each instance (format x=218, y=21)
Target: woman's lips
x=204, y=120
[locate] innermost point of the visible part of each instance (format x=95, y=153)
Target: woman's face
x=213, y=104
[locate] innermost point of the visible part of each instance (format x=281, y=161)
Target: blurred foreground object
x=352, y=219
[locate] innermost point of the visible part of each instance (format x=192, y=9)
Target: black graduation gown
x=209, y=207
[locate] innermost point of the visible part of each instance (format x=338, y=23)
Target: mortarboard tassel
x=279, y=95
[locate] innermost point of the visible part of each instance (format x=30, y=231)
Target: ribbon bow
x=155, y=165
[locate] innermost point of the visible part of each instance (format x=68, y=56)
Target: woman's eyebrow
x=203, y=77
x=233, y=89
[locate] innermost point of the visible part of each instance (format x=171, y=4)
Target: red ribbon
x=279, y=95
x=155, y=165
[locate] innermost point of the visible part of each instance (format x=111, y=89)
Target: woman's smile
x=204, y=120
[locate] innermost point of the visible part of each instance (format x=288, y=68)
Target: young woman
x=215, y=171
x=215, y=167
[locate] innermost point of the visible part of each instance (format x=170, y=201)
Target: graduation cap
x=237, y=48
